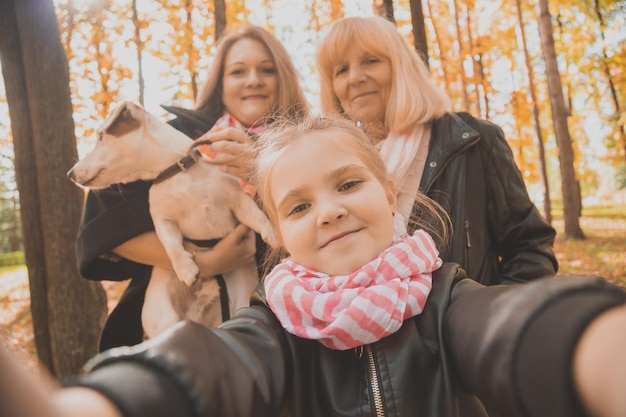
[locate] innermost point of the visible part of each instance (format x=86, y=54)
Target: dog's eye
x=100, y=136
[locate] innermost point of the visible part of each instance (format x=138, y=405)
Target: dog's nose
x=70, y=174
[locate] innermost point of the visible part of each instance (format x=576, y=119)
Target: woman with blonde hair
x=251, y=81
x=370, y=75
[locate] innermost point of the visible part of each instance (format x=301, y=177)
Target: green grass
x=611, y=212
x=11, y=268
x=600, y=212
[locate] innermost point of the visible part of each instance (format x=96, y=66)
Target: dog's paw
x=269, y=237
x=188, y=273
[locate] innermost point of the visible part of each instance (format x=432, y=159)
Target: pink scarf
x=347, y=311
x=228, y=120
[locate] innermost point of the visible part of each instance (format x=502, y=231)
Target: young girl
x=348, y=282
x=548, y=348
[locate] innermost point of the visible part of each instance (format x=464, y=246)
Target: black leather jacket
x=509, y=344
x=499, y=235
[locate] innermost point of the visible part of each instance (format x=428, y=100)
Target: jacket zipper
x=468, y=244
x=374, y=385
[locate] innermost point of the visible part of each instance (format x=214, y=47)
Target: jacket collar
x=450, y=136
x=195, y=119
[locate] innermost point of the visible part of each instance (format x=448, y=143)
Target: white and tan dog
x=199, y=202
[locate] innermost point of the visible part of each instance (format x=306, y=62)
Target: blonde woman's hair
x=414, y=97
x=273, y=143
x=290, y=101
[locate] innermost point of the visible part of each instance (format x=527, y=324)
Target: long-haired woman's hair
x=290, y=100
x=414, y=97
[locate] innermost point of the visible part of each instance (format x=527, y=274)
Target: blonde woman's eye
x=340, y=70
x=372, y=60
x=269, y=70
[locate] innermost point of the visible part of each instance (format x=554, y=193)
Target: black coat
x=511, y=345
x=498, y=234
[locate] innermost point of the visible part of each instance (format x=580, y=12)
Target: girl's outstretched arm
x=550, y=347
x=600, y=365
x=27, y=395
x=75, y=402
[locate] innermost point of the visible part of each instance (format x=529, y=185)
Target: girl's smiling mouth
x=339, y=236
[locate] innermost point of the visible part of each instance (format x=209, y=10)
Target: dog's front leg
x=248, y=213
x=172, y=239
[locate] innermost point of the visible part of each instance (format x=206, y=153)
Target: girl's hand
x=233, y=251
x=231, y=148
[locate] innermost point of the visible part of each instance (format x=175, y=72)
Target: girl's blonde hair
x=290, y=101
x=273, y=143
x=414, y=97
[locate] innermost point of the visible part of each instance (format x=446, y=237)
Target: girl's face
x=332, y=213
x=250, y=82
x=362, y=82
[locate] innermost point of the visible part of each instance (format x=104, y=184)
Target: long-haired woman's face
x=250, y=83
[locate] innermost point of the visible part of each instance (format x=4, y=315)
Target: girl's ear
x=391, y=194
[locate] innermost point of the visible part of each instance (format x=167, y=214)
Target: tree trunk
x=439, y=42
x=220, y=17
x=68, y=311
x=190, y=48
x=571, y=191
x=384, y=8
x=461, y=50
x=139, y=45
x=609, y=77
x=419, y=29
x=547, y=207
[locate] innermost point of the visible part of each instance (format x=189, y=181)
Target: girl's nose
x=331, y=213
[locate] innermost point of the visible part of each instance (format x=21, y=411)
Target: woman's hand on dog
x=234, y=250
x=232, y=150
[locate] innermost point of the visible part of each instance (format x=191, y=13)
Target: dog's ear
x=124, y=122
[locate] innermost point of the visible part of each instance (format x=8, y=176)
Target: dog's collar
x=181, y=165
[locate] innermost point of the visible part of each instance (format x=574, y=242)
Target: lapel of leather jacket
x=193, y=120
x=450, y=136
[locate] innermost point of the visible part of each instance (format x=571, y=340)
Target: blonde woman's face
x=362, y=83
x=333, y=214
x=250, y=83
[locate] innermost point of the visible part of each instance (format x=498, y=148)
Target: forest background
x=554, y=81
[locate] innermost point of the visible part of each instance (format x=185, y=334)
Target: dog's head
x=125, y=150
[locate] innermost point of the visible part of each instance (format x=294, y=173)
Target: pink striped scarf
x=347, y=311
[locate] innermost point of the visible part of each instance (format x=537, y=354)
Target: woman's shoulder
x=479, y=124
x=489, y=132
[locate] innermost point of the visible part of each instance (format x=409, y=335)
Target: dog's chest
x=192, y=197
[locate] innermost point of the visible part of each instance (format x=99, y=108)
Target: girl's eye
x=298, y=209
x=372, y=60
x=269, y=70
x=236, y=72
x=346, y=186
